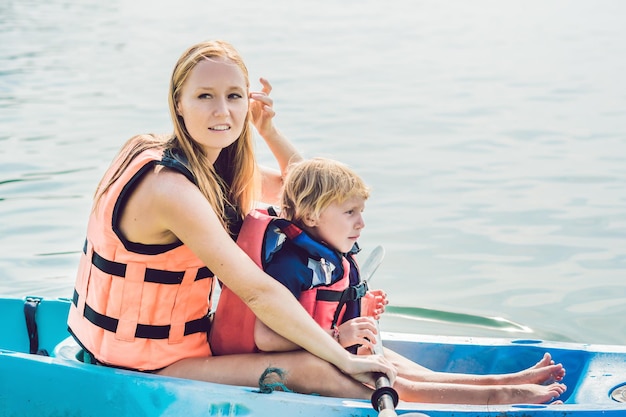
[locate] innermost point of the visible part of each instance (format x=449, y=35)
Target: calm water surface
x=493, y=135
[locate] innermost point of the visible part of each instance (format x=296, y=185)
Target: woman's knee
x=312, y=375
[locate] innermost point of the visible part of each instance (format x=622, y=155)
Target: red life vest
x=233, y=325
x=138, y=306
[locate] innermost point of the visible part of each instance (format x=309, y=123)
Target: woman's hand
x=361, y=368
x=262, y=114
x=373, y=304
x=261, y=109
x=358, y=331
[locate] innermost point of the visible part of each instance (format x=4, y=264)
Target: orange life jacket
x=233, y=325
x=138, y=306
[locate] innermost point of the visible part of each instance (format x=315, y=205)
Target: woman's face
x=214, y=103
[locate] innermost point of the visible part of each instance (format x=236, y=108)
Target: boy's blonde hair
x=314, y=184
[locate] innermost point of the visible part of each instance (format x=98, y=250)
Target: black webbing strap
x=144, y=331
x=147, y=331
x=152, y=275
x=352, y=293
x=30, y=310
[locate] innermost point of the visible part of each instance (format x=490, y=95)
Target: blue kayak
x=59, y=384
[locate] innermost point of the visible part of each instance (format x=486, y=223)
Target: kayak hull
x=60, y=385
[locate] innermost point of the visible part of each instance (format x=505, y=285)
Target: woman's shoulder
x=146, y=141
x=175, y=159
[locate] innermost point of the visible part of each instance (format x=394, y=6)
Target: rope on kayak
x=267, y=387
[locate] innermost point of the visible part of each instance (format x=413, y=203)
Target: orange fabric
x=323, y=312
x=232, y=330
x=130, y=299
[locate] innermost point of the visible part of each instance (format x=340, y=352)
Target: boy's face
x=339, y=225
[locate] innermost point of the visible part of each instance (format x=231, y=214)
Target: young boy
x=309, y=249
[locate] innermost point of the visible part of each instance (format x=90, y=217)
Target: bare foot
x=545, y=361
x=543, y=372
x=535, y=394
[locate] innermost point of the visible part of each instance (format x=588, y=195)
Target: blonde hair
x=237, y=183
x=314, y=184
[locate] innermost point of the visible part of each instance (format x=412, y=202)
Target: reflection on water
x=492, y=135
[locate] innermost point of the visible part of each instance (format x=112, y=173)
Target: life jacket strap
x=152, y=275
x=352, y=293
x=144, y=331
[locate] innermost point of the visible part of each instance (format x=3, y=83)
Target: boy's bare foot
x=535, y=394
x=543, y=372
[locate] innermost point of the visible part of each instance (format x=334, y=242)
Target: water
x=493, y=135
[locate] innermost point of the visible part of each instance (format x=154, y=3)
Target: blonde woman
x=161, y=232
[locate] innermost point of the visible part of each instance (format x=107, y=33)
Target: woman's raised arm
x=262, y=111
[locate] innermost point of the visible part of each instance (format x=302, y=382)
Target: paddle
x=384, y=398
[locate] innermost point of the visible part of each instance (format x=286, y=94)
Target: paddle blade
x=372, y=263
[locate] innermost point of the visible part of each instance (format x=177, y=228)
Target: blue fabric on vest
x=293, y=258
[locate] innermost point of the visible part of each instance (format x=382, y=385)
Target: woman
x=161, y=230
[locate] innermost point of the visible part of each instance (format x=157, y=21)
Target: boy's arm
x=268, y=340
x=357, y=331
x=286, y=268
x=291, y=270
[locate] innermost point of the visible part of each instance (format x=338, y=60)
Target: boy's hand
x=373, y=304
x=358, y=331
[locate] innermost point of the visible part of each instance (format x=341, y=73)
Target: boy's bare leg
x=447, y=393
x=543, y=372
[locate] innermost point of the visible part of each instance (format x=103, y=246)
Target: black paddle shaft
x=385, y=397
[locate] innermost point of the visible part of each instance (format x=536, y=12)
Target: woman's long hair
x=236, y=182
